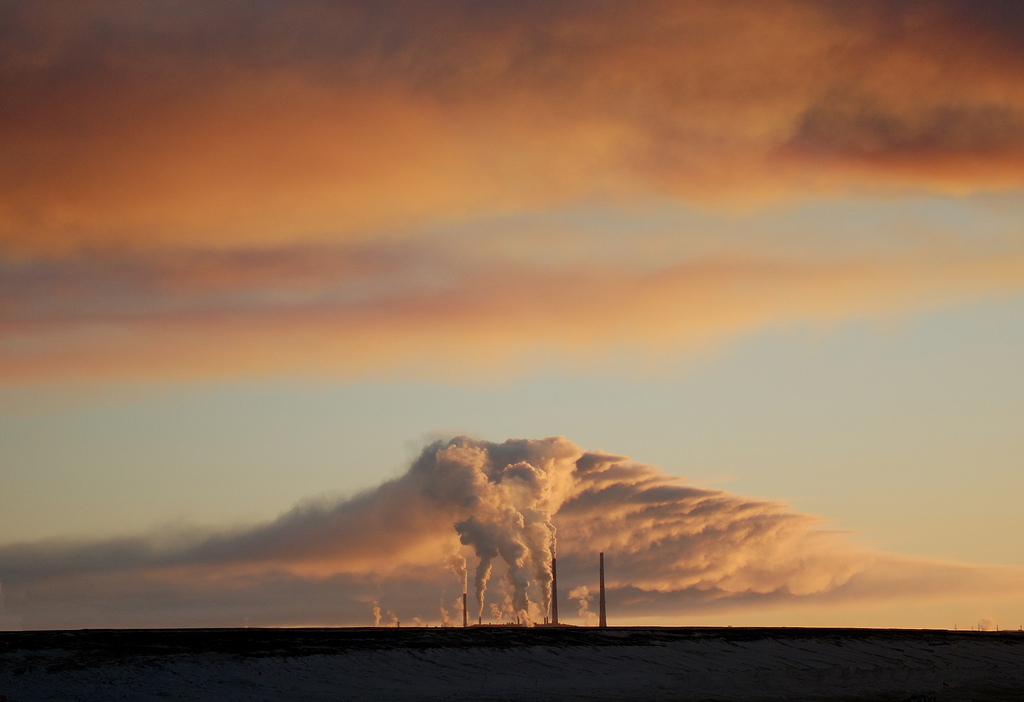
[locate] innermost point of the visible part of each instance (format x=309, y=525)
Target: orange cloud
x=379, y=311
x=222, y=124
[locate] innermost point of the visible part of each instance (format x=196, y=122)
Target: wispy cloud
x=428, y=311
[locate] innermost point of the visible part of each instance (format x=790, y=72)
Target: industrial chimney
x=554, y=591
x=603, y=621
x=465, y=614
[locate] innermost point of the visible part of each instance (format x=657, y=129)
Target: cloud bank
x=229, y=188
x=673, y=550
x=224, y=122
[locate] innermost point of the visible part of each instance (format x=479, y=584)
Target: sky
x=303, y=305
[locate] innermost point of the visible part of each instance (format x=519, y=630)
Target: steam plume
x=679, y=549
x=508, y=493
x=457, y=564
x=582, y=595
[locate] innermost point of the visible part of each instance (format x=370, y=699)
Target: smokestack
x=603, y=621
x=554, y=592
x=465, y=614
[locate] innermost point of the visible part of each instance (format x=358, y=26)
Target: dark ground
x=512, y=663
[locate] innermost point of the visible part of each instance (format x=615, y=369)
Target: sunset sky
x=255, y=256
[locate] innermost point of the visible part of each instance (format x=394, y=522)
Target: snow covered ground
x=497, y=663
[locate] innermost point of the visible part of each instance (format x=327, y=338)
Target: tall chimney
x=554, y=592
x=603, y=621
x=465, y=614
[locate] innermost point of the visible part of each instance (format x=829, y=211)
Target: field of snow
x=498, y=663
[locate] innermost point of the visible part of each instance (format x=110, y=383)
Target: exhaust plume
x=510, y=492
x=679, y=550
x=583, y=596
x=457, y=564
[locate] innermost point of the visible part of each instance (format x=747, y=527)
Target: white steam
x=508, y=494
x=677, y=548
x=457, y=564
x=584, y=597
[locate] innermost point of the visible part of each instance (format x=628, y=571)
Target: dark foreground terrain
x=498, y=663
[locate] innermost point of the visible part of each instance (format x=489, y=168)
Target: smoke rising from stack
x=583, y=597
x=677, y=549
x=510, y=506
x=457, y=564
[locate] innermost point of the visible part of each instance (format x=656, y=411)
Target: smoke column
x=483, y=572
x=583, y=596
x=457, y=564
x=508, y=493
